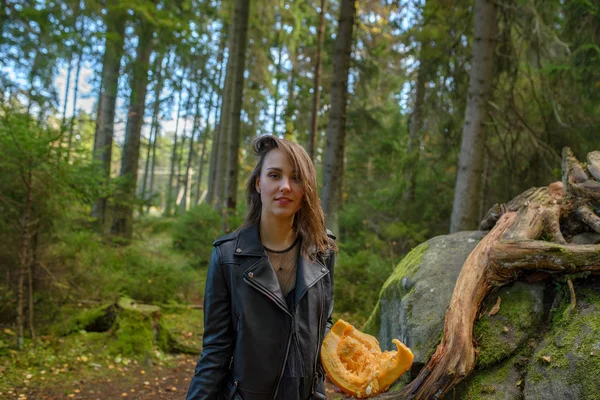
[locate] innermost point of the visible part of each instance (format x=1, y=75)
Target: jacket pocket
x=231, y=391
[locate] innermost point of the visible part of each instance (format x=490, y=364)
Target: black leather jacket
x=248, y=326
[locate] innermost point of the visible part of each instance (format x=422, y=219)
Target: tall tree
x=217, y=196
x=336, y=130
x=123, y=219
x=312, y=142
x=105, y=125
x=468, y=189
x=242, y=12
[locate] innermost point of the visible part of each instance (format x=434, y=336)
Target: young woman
x=269, y=289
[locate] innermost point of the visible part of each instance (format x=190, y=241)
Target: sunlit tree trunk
x=169, y=200
x=103, y=139
x=153, y=130
x=336, y=130
x=123, y=221
x=467, y=192
x=314, y=120
x=241, y=33
x=191, y=152
x=75, y=93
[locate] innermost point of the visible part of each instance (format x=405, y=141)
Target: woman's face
x=280, y=189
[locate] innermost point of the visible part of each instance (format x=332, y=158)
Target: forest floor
x=134, y=383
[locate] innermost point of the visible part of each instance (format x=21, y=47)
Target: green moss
x=500, y=335
x=406, y=268
x=82, y=320
x=134, y=334
x=572, y=345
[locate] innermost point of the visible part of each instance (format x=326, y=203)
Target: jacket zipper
x=287, y=352
x=316, y=378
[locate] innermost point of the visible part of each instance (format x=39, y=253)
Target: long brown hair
x=309, y=221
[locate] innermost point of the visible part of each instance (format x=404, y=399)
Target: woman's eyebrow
x=274, y=169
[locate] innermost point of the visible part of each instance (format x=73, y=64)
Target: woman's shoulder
x=331, y=234
x=225, y=238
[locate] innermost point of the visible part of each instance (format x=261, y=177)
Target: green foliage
x=358, y=278
x=195, y=231
x=101, y=271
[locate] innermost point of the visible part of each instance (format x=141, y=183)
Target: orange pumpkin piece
x=355, y=363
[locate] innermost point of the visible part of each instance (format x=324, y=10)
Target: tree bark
x=212, y=169
x=467, y=192
x=416, y=123
x=225, y=120
x=151, y=150
x=103, y=139
x=169, y=200
x=123, y=222
x=241, y=39
x=312, y=142
x=511, y=247
x=24, y=256
x=191, y=151
x=336, y=129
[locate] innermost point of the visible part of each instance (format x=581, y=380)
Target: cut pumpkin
x=355, y=363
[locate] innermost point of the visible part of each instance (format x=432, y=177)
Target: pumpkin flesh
x=355, y=363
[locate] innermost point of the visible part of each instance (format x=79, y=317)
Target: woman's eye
x=273, y=175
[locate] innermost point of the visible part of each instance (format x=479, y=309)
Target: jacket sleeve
x=330, y=266
x=217, y=343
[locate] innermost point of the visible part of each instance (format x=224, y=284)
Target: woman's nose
x=285, y=185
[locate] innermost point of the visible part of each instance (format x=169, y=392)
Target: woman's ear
x=257, y=185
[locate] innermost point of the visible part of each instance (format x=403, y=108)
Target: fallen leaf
x=495, y=308
x=548, y=359
x=506, y=329
x=9, y=332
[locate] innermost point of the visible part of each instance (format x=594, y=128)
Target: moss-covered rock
x=501, y=382
x=413, y=301
x=566, y=363
x=519, y=317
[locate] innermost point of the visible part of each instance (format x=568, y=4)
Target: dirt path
x=132, y=383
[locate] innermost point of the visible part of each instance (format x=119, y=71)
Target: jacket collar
x=263, y=276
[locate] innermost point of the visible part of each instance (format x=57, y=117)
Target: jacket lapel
x=309, y=273
x=261, y=276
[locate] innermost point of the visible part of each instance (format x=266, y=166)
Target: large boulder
x=413, y=301
x=529, y=346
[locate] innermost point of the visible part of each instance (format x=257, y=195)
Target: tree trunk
x=75, y=93
x=123, y=221
x=204, y=140
x=511, y=247
x=241, y=33
x=225, y=122
x=467, y=192
x=182, y=152
x=336, y=130
x=188, y=164
x=147, y=164
x=414, y=139
x=212, y=169
x=24, y=257
x=169, y=200
x=312, y=142
x=103, y=139
x=277, y=81
x=153, y=129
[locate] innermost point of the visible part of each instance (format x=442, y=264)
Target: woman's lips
x=283, y=200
